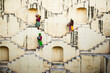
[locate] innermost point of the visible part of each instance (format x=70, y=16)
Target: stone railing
x=74, y=38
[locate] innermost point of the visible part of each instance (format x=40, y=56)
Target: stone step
x=3, y=66
x=57, y=63
x=29, y=53
x=31, y=50
x=3, y=69
x=57, y=66
x=3, y=63
x=95, y=47
x=57, y=70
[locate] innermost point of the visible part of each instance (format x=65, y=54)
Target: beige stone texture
x=13, y=50
x=56, y=26
x=17, y=19
x=106, y=23
x=28, y=64
x=90, y=64
x=47, y=51
x=74, y=65
x=84, y=38
x=11, y=6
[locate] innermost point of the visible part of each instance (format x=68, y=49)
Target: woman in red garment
x=38, y=18
x=40, y=44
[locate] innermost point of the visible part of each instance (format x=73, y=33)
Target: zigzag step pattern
x=99, y=48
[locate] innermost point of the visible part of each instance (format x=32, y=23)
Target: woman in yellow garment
x=72, y=28
x=71, y=25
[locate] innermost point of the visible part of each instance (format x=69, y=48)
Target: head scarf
x=39, y=34
x=37, y=15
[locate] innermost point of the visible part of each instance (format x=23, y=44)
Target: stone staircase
x=47, y=49
x=99, y=16
x=3, y=63
x=7, y=17
x=73, y=65
x=14, y=64
x=94, y=48
x=63, y=70
x=3, y=39
x=23, y=33
x=75, y=62
x=85, y=40
x=19, y=21
x=34, y=30
x=102, y=47
x=38, y=5
x=11, y=22
x=54, y=40
x=57, y=70
x=55, y=67
x=6, y=70
x=98, y=43
x=15, y=59
x=30, y=26
x=58, y=67
x=15, y=51
x=29, y=37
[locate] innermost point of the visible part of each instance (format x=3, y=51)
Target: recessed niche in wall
x=4, y=53
x=57, y=54
x=56, y=26
x=31, y=15
x=81, y=15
